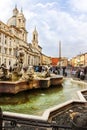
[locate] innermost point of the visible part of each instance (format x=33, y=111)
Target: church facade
x=13, y=38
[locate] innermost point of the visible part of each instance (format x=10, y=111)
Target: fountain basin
x=18, y=86
x=36, y=101
x=57, y=114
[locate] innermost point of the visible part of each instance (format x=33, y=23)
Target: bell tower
x=21, y=21
x=15, y=11
x=35, y=38
x=21, y=24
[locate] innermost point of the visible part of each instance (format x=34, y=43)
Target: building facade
x=13, y=38
x=79, y=60
x=55, y=61
x=46, y=60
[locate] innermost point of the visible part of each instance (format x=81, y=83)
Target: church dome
x=12, y=21
x=17, y=19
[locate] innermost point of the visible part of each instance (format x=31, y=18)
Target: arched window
x=34, y=37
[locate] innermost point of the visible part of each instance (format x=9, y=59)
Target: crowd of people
x=79, y=72
x=42, y=68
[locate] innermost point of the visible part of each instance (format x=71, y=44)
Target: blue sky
x=55, y=20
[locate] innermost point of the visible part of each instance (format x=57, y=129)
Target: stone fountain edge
x=45, y=116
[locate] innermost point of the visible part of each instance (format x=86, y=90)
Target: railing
x=13, y=123
x=8, y=122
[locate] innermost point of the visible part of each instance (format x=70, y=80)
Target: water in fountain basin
x=36, y=101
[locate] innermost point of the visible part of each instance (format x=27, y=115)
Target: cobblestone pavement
x=69, y=75
x=85, y=80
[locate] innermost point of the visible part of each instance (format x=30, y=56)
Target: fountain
x=4, y=76
x=23, y=78
x=56, y=105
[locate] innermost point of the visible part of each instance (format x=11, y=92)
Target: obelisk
x=59, y=53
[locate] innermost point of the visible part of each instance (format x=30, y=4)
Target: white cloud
x=79, y=5
x=53, y=23
x=5, y=9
